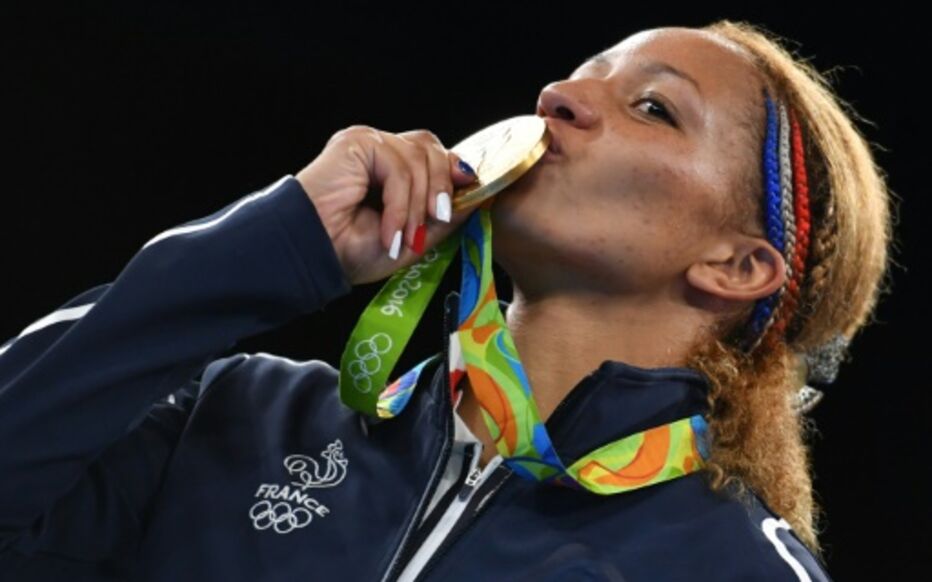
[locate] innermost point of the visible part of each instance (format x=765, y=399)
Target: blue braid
x=773, y=221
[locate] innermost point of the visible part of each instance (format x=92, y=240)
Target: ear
x=739, y=268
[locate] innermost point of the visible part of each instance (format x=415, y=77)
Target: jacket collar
x=614, y=400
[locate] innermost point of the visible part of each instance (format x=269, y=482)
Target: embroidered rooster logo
x=285, y=508
x=311, y=474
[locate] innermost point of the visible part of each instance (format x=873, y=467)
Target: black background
x=122, y=120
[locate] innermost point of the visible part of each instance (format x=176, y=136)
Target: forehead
x=722, y=69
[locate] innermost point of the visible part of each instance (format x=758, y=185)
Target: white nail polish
x=443, y=207
x=396, y=246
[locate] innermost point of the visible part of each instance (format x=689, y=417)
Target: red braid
x=802, y=200
x=801, y=216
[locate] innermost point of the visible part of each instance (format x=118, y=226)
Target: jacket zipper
x=471, y=481
x=441, y=461
x=467, y=513
x=450, y=517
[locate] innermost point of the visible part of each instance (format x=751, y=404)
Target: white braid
x=786, y=194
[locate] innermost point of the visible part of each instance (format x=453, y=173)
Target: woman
x=680, y=281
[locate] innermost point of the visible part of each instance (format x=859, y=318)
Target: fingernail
x=466, y=168
x=396, y=246
x=443, y=207
x=419, y=236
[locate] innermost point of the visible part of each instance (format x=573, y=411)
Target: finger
x=415, y=154
x=441, y=181
x=454, y=173
x=392, y=172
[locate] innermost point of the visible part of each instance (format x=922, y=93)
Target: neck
x=561, y=339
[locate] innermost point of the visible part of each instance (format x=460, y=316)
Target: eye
x=663, y=108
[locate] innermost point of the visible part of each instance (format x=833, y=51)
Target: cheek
x=647, y=206
x=656, y=189
x=643, y=168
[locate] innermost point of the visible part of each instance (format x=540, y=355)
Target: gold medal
x=500, y=154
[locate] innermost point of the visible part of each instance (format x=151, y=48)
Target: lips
x=554, y=146
x=553, y=150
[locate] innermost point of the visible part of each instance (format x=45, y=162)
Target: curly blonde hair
x=758, y=439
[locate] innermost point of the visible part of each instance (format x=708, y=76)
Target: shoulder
x=736, y=536
x=273, y=392
x=779, y=553
x=254, y=371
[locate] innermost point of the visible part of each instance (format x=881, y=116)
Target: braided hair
x=788, y=221
x=821, y=201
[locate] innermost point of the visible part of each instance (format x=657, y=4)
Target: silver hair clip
x=823, y=361
x=807, y=398
x=822, y=365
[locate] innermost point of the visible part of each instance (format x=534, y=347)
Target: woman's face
x=641, y=189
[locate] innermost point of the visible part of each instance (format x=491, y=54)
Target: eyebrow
x=650, y=67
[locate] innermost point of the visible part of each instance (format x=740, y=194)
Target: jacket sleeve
x=94, y=395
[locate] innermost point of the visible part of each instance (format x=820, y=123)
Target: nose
x=566, y=100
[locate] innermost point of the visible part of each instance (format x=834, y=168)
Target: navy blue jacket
x=130, y=450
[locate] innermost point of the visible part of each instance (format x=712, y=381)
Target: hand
x=405, y=172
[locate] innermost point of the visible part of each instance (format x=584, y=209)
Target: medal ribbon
x=483, y=348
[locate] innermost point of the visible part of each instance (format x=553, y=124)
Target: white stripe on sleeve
x=67, y=314
x=201, y=226
x=770, y=525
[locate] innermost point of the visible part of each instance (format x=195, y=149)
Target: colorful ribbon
x=482, y=348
